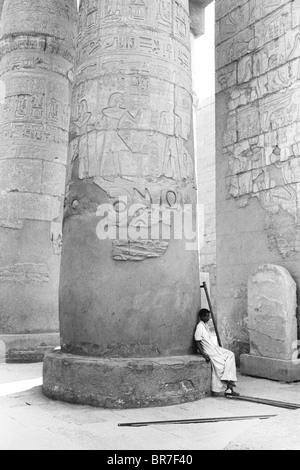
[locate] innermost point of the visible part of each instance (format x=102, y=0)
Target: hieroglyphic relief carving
x=164, y=14
x=273, y=26
x=236, y=47
x=270, y=21
x=137, y=130
x=264, y=106
x=225, y=7
x=233, y=22
x=182, y=22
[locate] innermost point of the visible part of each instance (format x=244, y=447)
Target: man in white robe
x=222, y=361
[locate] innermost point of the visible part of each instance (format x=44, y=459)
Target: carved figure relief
x=114, y=117
x=81, y=125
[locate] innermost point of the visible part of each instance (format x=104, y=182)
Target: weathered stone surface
x=125, y=383
x=225, y=7
x=27, y=348
x=272, y=312
x=24, y=273
x=138, y=251
x=36, y=60
x=273, y=25
x=131, y=138
x=278, y=433
x=273, y=369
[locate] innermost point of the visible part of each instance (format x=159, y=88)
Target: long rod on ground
x=204, y=286
x=265, y=401
x=197, y=421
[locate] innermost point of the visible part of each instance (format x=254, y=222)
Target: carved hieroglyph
x=36, y=61
x=132, y=102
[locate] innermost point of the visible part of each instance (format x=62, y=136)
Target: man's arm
x=201, y=351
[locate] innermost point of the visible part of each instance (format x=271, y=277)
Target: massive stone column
x=36, y=53
x=128, y=306
x=258, y=151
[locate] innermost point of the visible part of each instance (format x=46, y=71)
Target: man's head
x=204, y=315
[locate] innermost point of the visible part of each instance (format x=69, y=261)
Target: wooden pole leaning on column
x=204, y=286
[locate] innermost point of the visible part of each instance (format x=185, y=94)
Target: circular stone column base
x=27, y=348
x=125, y=383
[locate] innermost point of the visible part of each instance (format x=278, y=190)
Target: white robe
x=222, y=360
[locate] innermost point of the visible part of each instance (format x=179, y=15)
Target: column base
x=268, y=368
x=125, y=382
x=27, y=348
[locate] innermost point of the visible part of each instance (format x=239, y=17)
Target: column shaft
x=131, y=137
x=36, y=59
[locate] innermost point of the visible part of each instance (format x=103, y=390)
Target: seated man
x=222, y=360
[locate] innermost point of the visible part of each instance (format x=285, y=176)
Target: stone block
x=30, y=206
x=233, y=23
x=226, y=77
x=273, y=26
x=53, y=179
x=261, y=8
x=248, y=121
x=230, y=134
x=272, y=312
x=269, y=368
x=245, y=68
x=21, y=175
x=278, y=110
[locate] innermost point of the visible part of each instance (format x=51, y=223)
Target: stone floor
x=30, y=421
